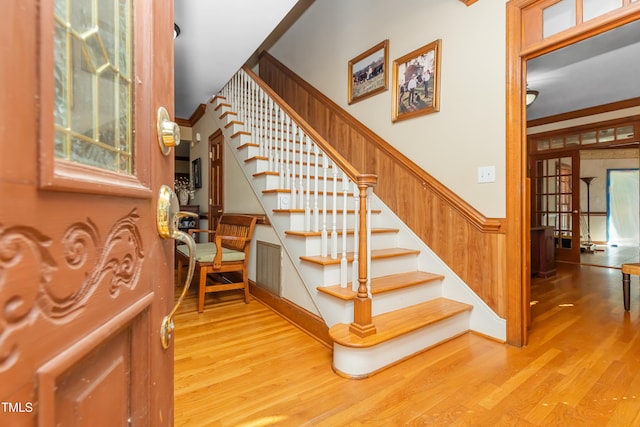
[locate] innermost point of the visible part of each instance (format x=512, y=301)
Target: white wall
x=469, y=129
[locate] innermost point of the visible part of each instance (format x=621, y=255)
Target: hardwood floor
x=241, y=364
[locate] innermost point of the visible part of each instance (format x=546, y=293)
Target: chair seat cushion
x=205, y=252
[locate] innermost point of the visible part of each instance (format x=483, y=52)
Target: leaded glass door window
x=93, y=57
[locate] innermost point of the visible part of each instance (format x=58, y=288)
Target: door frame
x=517, y=204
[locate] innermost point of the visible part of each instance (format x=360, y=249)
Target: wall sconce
x=531, y=96
x=196, y=140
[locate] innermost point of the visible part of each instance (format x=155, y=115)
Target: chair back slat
x=239, y=226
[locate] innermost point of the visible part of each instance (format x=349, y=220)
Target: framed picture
x=196, y=172
x=368, y=72
x=416, y=82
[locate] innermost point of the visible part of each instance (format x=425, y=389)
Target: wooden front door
x=216, y=178
x=85, y=279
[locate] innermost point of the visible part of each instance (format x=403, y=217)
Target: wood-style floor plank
x=241, y=364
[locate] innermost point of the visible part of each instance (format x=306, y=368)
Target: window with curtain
x=623, y=189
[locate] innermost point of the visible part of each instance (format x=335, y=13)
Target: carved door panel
x=85, y=279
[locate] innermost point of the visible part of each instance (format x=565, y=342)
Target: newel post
x=362, y=324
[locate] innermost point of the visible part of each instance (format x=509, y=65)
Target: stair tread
x=400, y=322
x=349, y=231
x=375, y=254
x=380, y=285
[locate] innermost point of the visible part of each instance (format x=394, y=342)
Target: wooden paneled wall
x=471, y=244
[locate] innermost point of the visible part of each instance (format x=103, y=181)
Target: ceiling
x=595, y=71
x=218, y=36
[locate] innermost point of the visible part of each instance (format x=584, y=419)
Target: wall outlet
x=486, y=174
x=284, y=201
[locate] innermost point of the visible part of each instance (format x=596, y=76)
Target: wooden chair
x=627, y=270
x=226, y=252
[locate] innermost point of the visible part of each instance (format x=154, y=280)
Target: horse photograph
x=416, y=82
x=368, y=73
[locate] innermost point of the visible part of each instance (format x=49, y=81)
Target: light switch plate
x=486, y=174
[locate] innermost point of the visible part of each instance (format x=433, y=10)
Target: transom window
x=576, y=138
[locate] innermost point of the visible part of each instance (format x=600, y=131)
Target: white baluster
x=270, y=135
x=316, y=214
x=282, y=148
x=287, y=184
x=239, y=108
x=252, y=108
x=234, y=84
x=334, y=225
x=261, y=112
x=245, y=100
x=303, y=138
x=323, y=234
x=294, y=190
x=307, y=210
x=276, y=140
x=343, y=260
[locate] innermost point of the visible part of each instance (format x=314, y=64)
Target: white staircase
x=313, y=200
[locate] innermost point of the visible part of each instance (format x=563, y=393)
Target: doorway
x=526, y=40
x=574, y=203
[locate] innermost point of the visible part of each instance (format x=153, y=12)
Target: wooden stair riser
x=363, y=362
x=328, y=275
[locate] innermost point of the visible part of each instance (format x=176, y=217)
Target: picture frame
x=416, y=82
x=196, y=172
x=368, y=73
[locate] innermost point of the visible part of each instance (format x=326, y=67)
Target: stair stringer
x=482, y=318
